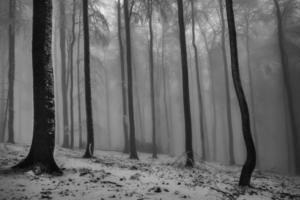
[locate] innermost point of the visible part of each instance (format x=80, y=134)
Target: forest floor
x=111, y=175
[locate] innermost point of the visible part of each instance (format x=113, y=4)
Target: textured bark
x=78, y=83
x=251, y=154
x=200, y=99
x=88, y=96
x=133, y=153
x=152, y=95
x=185, y=87
x=123, y=75
x=288, y=86
x=227, y=87
x=11, y=71
x=72, y=45
x=64, y=73
x=40, y=157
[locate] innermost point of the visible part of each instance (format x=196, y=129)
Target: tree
x=123, y=77
x=88, y=96
x=133, y=153
x=228, y=101
x=11, y=71
x=40, y=157
x=200, y=99
x=64, y=73
x=286, y=78
x=185, y=87
x=251, y=153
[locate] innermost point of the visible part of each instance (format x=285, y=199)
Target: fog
x=272, y=112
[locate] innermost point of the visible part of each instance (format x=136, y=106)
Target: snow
x=111, y=175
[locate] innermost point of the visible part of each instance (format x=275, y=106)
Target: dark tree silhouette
x=11, y=71
x=88, y=96
x=185, y=87
x=251, y=154
x=152, y=95
x=123, y=74
x=200, y=99
x=133, y=153
x=227, y=86
x=64, y=73
x=40, y=157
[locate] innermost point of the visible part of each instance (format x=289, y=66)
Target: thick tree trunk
x=185, y=87
x=11, y=71
x=63, y=74
x=152, y=94
x=227, y=87
x=88, y=96
x=72, y=44
x=133, y=153
x=40, y=157
x=200, y=99
x=123, y=77
x=251, y=154
x=288, y=87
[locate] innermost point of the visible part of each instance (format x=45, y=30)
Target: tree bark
x=11, y=71
x=227, y=87
x=40, y=157
x=88, y=96
x=133, y=153
x=251, y=154
x=123, y=77
x=185, y=87
x=63, y=74
x=288, y=86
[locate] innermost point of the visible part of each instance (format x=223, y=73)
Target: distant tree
x=11, y=71
x=88, y=96
x=133, y=152
x=123, y=76
x=64, y=73
x=185, y=87
x=251, y=153
x=40, y=157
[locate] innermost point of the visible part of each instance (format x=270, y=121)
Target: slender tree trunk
x=123, y=76
x=11, y=71
x=88, y=96
x=227, y=87
x=107, y=99
x=185, y=87
x=78, y=82
x=133, y=153
x=63, y=74
x=251, y=154
x=152, y=94
x=4, y=121
x=288, y=87
x=200, y=99
x=40, y=157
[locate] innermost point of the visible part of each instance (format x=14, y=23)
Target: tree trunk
x=251, y=154
x=73, y=39
x=63, y=74
x=123, y=76
x=40, y=157
x=288, y=87
x=185, y=87
x=11, y=71
x=133, y=153
x=227, y=87
x=88, y=96
x=200, y=99
x=78, y=82
x=152, y=94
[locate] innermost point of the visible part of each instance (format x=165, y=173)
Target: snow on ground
x=111, y=175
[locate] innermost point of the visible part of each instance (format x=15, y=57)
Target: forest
x=150, y=99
